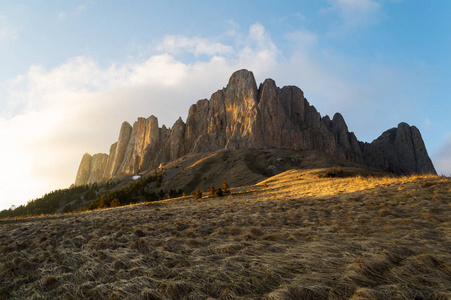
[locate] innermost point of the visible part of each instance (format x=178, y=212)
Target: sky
x=72, y=71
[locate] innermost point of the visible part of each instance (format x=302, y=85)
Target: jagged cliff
x=244, y=116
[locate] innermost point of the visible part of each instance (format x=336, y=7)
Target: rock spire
x=244, y=116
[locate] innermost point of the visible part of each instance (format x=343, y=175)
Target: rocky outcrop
x=117, y=151
x=84, y=170
x=91, y=168
x=244, y=116
x=399, y=150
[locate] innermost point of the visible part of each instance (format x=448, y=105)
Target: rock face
x=244, y=116
x=399, y=150
x=92, y=168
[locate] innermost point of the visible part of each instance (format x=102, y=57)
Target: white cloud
x=234, y=28
x=64, y=15
x=176, y=44
x=259, y=37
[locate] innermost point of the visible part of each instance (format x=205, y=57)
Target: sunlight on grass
x=292, y=236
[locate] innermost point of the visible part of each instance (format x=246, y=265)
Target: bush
x=114, y=203
x=333, y=172
x=197, y=194
x=330, y=174
x=101, y=204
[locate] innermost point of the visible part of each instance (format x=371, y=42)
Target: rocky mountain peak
x=242, y=116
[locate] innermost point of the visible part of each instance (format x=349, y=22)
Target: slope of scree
x=242, y=116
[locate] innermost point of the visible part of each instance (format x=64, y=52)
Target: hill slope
x=184, y=175
x=301, y=237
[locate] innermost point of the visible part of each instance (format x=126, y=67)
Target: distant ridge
x=242, y=116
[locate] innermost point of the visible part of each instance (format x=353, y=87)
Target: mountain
x=242, y=116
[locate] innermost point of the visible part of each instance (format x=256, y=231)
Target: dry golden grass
x=298, y=238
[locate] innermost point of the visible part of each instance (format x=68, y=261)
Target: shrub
x=334, y=172
x=101, y=204
x=197, y=194
x=330, y=174
x=114, y=203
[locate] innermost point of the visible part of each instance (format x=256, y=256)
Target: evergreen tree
x=218, y=192
x=212, y=190
x=225, y=188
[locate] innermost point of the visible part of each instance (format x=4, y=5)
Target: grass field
x=293, y=236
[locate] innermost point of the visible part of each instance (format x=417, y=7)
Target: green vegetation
x=219, y=192
x=94, y=196
x=137, y=191
x=129, y=194
x=225, y=188
x=333, y=172
x=104, y=195
x=197, y=194
x=51, y=202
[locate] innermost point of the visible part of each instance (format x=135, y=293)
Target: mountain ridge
x=242, y=116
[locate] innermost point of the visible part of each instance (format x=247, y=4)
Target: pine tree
x=225, y=188
x=219, y=193
x=212, y=190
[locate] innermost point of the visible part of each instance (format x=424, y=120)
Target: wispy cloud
x=64, y=15
x=304, y=40
x=352, y=15
x=176, y=44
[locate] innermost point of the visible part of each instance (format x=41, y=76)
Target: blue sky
x=72, y=71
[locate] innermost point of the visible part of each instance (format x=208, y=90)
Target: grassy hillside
x=295, y=235
x=193, y=171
